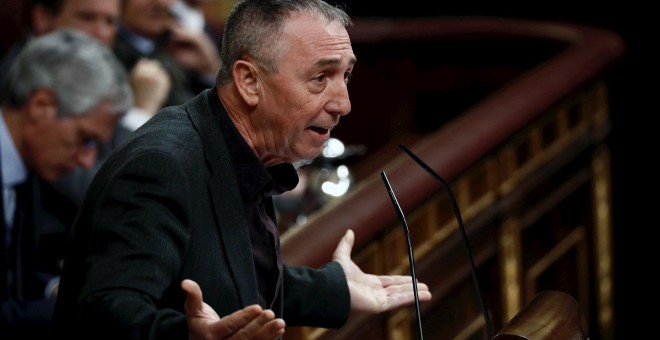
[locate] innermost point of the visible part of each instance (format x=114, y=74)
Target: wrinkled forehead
x=307, y=33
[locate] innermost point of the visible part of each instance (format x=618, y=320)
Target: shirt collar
x=253, y=177
x=13, y=168
x=144, y=45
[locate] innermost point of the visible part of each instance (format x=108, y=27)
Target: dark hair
x=52, y=6
x=253, y=28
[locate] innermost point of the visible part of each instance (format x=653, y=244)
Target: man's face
x=301, y=103
x=149, y=18
x=56, y=146
x=98, y=18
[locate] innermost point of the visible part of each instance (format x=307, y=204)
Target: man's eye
x=347, y=77
x=90, y=143
x=320, y=78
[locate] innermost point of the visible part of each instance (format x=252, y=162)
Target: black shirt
x=258, y=184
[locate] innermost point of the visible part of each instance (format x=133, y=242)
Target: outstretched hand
x=251, y=322
x=375, y=293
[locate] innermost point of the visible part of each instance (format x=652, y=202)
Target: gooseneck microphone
x=457, y=213
x=411, y=257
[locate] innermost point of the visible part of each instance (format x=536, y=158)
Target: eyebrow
x=332, y=61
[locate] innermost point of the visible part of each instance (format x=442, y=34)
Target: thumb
x=345, y=246
x=194, y=303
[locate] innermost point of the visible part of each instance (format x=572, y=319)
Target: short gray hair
x=253, y=28
x=79, y=69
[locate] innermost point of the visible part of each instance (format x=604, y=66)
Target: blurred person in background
x=149, y=80
x=192, y=14
x=63, y=96
x=148, y=28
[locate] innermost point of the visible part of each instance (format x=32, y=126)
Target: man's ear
x=247, y=81
x=43, y=21
x=41, y=106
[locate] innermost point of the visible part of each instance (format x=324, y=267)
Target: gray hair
x=80, y=70
x=253, y=28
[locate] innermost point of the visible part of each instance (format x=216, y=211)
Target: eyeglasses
x=90, y=144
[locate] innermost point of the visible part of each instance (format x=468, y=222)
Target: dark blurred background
x=633, y=85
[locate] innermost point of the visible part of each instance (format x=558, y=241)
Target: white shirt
x=14, y=172
x=188, y=16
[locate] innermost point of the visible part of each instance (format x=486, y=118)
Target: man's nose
x=340, y=102
x=103, y=31
x=86, y=157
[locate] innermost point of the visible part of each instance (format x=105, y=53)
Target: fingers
x=151, y=84
x=194, y=51
x=149, y=72
x=408, y=288
x=272, y=329
x=345, y=246
x=194, y=303
x=390, y=280
x=401, y=283
x=400, y=291
x=253, y=323
x=236, y=321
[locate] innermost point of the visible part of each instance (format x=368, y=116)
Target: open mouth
x=319, y=130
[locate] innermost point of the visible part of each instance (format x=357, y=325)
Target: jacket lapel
x=225, y=197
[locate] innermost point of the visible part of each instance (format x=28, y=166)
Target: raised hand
x=151, y=85
x=193, y=50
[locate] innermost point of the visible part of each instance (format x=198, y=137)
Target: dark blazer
x=42, y=243
x=165, y=207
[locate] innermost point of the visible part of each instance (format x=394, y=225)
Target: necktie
x=15, y=247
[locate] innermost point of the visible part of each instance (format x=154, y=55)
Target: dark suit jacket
x=165, y=207
x=42, y=243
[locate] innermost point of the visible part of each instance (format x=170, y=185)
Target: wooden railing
x=528, y=162
x=550, y=315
